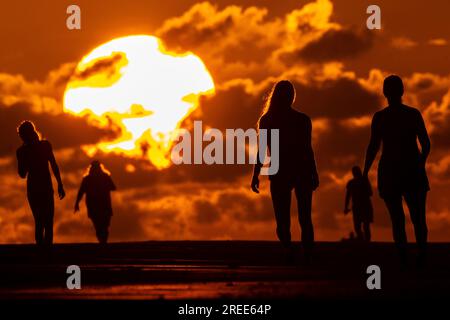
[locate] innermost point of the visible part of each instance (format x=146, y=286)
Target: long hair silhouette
x=97, y=168
x=27, y=132
x=280, y=99
x=33, y=159
x=297, y=167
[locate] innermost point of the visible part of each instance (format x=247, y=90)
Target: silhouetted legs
x=362, y=230
x=42, y=207
x=367, y=234
x=395, y=208
x=44, y=230
x=304, y=202
x=101, y=225
x=281, y=199
x=358, y=230
x=416, y=204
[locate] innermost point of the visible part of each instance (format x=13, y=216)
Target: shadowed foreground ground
x=217, y=269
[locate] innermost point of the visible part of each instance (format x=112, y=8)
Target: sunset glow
x=134, y=84
x=115, y=89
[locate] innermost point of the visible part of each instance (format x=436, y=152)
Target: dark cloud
x=339, y=99
x=439, y=117
x=104, y=65
x=189, y=35
x=440, y=135
x=205, y=212
x=233, y=41
x=423, y=83
x=436, y=202
x=11, y=200
x=326, y=209
x=333, y=45
x=341, y=146
x=75, y=228
x=63, y=130
x=231, y=108
x=127, y=222
x=245, y=209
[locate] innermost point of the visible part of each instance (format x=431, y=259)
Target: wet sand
x=177, y=270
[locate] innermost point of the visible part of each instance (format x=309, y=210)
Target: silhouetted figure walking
x=401, y=170
x=97, y=185
x=359, y=192
x=297, y=166
x=33, y=158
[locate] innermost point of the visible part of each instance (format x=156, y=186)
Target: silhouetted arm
x=258, y=165
x=424, y=139
x=374, y=145
x=310, y=151
x=257, y=168
x=348, y=196
x=369, y=187
x=112, y=186
x=55, y=169
x=22, y=167
x=80, y=194
x=261, y=154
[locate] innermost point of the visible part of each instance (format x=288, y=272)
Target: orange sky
x=335, y=63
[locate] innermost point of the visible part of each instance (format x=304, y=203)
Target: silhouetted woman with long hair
x=33, y=158
x=97, y=185
x=401, y=170
x=297, y=167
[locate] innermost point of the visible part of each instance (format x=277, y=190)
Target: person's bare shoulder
x=46, y=145
x=412, y=110
x=378, y=116
x=300, y=116
x=413, y=114
x=382, y=111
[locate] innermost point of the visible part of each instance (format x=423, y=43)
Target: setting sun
x=133, y=83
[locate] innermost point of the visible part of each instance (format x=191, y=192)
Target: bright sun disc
x=140, y=87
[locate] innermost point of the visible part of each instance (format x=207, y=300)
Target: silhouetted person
x=97, y=185
x=351, y=237
x=33, y=158
x=297, y=166
x=359, y=192
x=401, y=170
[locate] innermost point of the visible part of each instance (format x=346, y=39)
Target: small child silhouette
x=97, y=185
x=360, y=191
